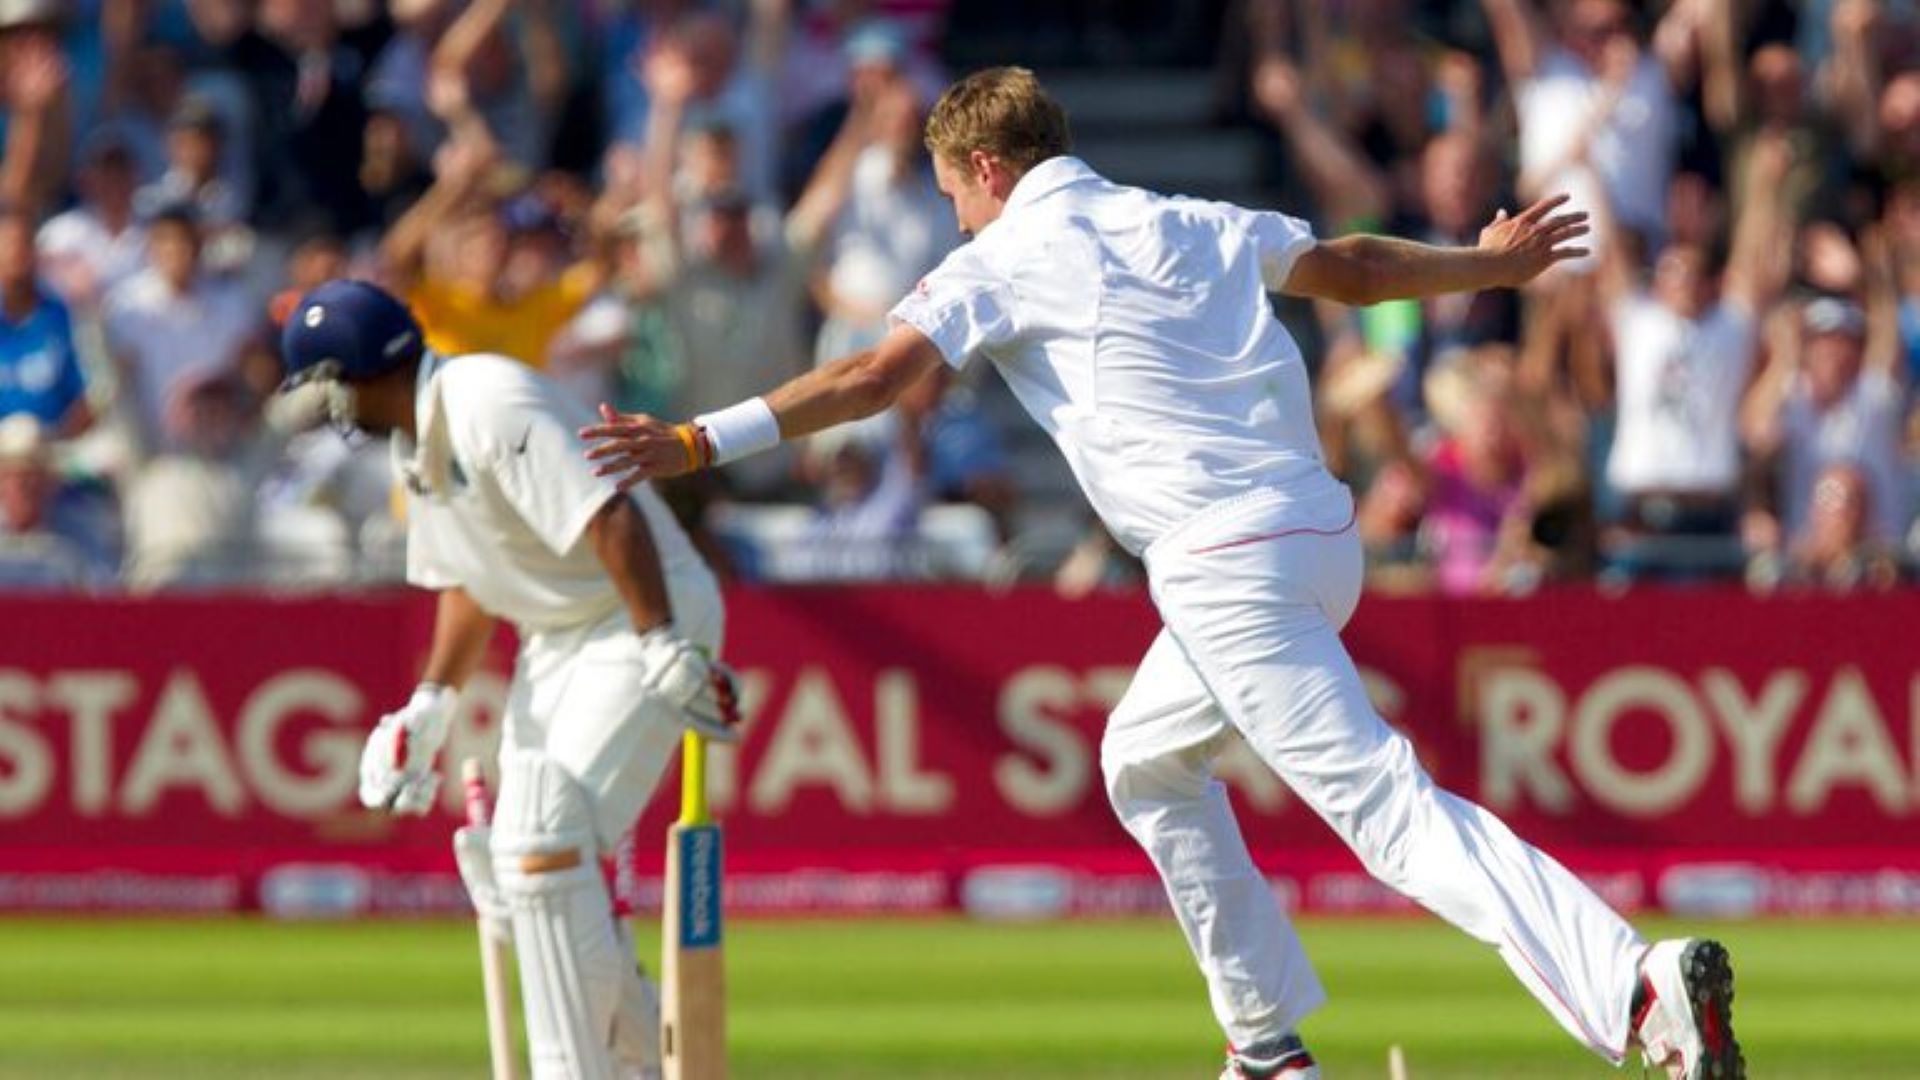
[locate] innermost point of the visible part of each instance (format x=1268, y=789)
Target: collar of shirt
x=1046, y=178
x=422, y=459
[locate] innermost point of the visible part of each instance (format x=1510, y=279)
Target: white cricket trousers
x=1253, y=592
x=578, y=698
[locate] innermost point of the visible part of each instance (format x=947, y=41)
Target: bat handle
x=474, y=783
x=693, y=780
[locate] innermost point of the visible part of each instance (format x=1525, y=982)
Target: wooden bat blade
x=693, y=1035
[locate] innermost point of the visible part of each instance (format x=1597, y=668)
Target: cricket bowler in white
x=617, y=618
x=1137, y=330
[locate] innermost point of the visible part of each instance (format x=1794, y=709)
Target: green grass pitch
x=923, y=999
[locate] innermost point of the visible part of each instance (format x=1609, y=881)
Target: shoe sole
x=1708, y=972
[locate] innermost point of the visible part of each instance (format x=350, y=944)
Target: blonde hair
x=1003, y=111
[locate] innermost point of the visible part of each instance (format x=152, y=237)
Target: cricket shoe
x=1683, y=1011
x=1275, y=1059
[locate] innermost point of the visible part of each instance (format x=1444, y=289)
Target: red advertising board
x=920, y=748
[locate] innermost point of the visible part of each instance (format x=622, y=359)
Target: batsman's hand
x=396, y=768
x=632, y=447
x=700, y=689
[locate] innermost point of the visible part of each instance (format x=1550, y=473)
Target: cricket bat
x=693, y=1028
x=493, y=949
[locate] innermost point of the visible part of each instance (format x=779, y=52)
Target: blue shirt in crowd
x=39, y=372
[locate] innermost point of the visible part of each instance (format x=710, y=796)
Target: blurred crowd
x=669, y=205
x=1720, y=390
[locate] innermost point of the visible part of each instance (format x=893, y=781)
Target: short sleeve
x=1279, y=241
x=424, y=570
x=539, y=464
x=961, y=306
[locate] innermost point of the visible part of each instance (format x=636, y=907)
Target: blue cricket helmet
x=348, y=330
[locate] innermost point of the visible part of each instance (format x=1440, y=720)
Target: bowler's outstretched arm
x=1366, y=269
x=635, y=447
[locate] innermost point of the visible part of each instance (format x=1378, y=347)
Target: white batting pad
x=636, y=1024
x=577, y=975
x=472, y=855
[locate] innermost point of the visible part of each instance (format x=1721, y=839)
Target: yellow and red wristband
x=699, y=448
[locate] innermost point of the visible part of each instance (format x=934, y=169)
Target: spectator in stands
x=625, y=35
x=1901, y=225
x=317, y=258
x=704, y=264
x=964, y=453
x=894, y=225
x=1474, y=477
x=871, y=486
x=394, y=171
x=1365, y=439
x=1836, y=551
x=1777, y=106
x=1449, y=198
x=45, y=541
x=190, y=510
x=40, y=374
x=1683, y=355
x=1590, y=92
x=830, y=48
x=1385, y=85
x=1899, y=115
x=480, y=77
x=303, y=65
x=37, y=116
x=396, y=85
x=88, y=250
x=708, y=78
x=196, y=146
x=1828, y=399
x=450, y=255
x=1865, y=87
x=170, y=321
x=145, y=90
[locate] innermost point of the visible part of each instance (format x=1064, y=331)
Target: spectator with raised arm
x=37, y=116
x=1683, y=355
x=705, y=264
x=1587, y=89
x=1832, y=394
x=480, y=73
x=1451, y=196
x=890, y=225
x=714, y=84
x=450, y=256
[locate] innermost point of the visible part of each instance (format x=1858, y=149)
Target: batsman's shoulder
x=489, y=399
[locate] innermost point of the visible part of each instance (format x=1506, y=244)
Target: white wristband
x=739, y=430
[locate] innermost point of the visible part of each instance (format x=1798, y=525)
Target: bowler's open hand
x=1534, y=239
x=632, y=447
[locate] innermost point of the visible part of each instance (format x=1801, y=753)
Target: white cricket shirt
x=1678, y=387
x=499, y=497
x=1136, y=328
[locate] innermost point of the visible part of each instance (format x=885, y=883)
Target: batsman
x=618, y=621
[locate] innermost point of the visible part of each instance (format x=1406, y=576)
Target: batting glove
x=396, y=768
x=701, y=690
